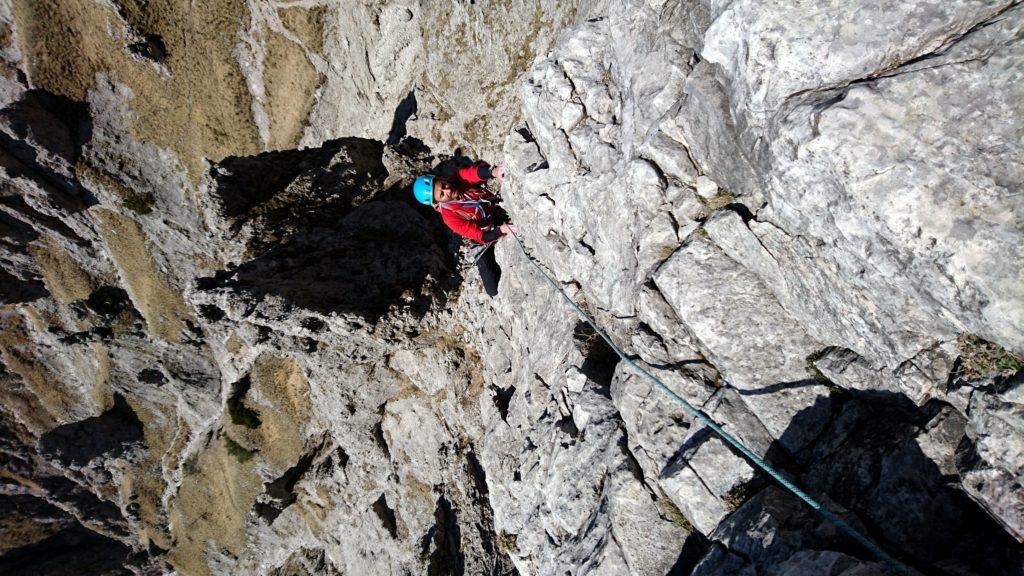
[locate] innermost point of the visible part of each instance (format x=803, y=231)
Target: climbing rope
x=825, y=512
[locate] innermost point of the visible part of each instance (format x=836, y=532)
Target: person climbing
x=471, y=211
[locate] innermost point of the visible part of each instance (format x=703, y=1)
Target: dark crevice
x=476, y=473
x=537, y=167
x=663, y=179
x=742, y=209
x=386, y=515
x=566, y=425
x=502, y=399
x=309, y=345
x=211, y=313
x=631, y=462
x=342, y=458
x=312, y=324
x=681, y=364
x=15, y=237
x=778, y=387
x=151, y=47
x=151, y=376
x=15, y=290
x=447, y=557
x=378, y=436
x=599, y=359
x=966, y=456
x=280, y=493
x=241, y=414
x=499, y=563
x=644, y=328
x=109, y=301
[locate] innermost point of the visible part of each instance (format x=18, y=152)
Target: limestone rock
x=232, y=343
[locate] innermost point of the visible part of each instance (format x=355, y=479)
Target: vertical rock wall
x=795, y=217
x=232, y=344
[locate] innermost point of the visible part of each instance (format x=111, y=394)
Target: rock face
x=233, y=344
x=789, y=227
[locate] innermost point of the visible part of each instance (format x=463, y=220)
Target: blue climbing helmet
x=423, y=190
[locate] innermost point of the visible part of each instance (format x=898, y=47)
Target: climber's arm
x=481, y=172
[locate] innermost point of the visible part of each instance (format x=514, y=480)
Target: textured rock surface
x=778, y=225
x=232, y=344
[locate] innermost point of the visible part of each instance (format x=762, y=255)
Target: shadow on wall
x=13, y=287
x=73, y=551
x=445, y=537
x=300, y=188
x=328, y=236
x=380, y=254
x=868, y=459
x=406, y=109
x=112, y=433
x=44, y=121
x=41, y=142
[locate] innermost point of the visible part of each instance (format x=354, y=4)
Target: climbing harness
x=477, y=206
x=825, y=512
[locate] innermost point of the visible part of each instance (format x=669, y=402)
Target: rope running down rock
x=838, y=522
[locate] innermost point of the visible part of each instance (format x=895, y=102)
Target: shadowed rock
x=325, y=233
x=380, y=254
x=869, y=465
x=71, y=552
x=288, y=189
x=109, y=434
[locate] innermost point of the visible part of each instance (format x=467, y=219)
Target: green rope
x=835, y=520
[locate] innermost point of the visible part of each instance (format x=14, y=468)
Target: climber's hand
x=507, y=229
x=498, y=172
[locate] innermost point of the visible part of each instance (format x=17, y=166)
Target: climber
x=470, y=211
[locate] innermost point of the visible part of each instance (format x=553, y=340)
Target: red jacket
x=472, y=216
